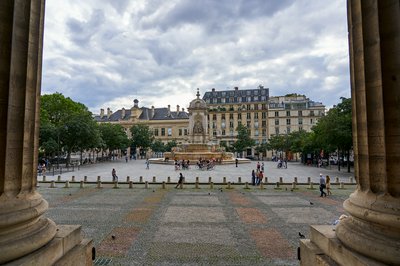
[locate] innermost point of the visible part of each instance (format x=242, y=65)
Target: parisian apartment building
x=262, y=114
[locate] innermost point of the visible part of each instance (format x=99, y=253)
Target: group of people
x=324, y=182
x=182, y=164
x=282, y=163
x=205, y=164
x=257, y=175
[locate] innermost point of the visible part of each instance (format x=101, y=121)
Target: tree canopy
x=243, y=139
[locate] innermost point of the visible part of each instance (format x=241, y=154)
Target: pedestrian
x=147, y=164
x=114, y=175
x=253, y=177
x=180, y=181
x=322, y=185
x=285, y=161
x=236, y=162
x=260, y=178
x=258, y=166
x=126, y=158
x=262, y=166
x=328, y=185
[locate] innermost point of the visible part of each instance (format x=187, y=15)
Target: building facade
x=263, y=115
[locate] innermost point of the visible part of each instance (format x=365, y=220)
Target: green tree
x=58, y=132
x=170, y=144
x=243, y=139
x=142, y=137
x=113, y=136
x=158, y=146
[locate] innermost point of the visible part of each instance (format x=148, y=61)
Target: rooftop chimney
x=109, y=112
x=123, y=113
x=101, y=113
x=236, y=88
x=169, y=110
x=177, y=110
x=213, y=89
x=136, y=103
x=152, y=112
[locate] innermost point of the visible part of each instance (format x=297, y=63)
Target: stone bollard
x=130, y=184
x=294, y=185
x=197, y=179
x=59, y=178
x=99, y=184
x=209, y=179
x=239, y=180
x=224, y=180
x=336, y=179
x=351, y=180
x=85, y=179
x=277, y=184
x=116, y=184
x=154, y=179
x=295, y=179
x=229, y=185
x=128, y=178
x=211, y=185
x=261, y=185
x=141, y=179
x=146, y=184
x=52, y=184
x=246, y=185
x=308, y=180
x=341, y=185
x=196, y=185
x=73, y=179
x=44, y=178
x=163, y=185
x=66, y=184
x=98, y=178
x=82, y=185
x=281, y=180
x=310, y=185
x=169, y=179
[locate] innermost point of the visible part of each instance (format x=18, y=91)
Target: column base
x=324, y=248
x=67, y=248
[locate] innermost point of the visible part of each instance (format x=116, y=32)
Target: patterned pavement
x=192, y=226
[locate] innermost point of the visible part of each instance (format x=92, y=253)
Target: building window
x=162, y=131
x=223, y=132
x=231, y=124
x=276, y=122
x=223, y=124
x=311, y=113
x=248, y=124
x=287, y=113
x=214, y=124
x=264, y=132
x=256, y=124
x=169, y=131
x=264, y=123
x=214, y=117
x=256, y=133
x=276, y=114
x=156, y=132
x=239, y=116
x=300, y=120
x=180, y=132
x=255, y=115
x=264, y=115
x=256, y=107
x=311, y=121
x=248, y=107
x=248, y=116
x=300, y=113
x=288, y=121
x=214, y=133
x=231, y=116
x=185, y=131
x=223, y=117
x=263, y=106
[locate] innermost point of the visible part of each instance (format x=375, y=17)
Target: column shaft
x=374, y=40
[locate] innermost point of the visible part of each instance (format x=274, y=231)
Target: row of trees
x=67, y=126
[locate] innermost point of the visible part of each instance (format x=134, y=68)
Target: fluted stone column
x=373, y=229
x=22, y=227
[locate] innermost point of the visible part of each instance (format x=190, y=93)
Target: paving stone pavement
x=191, y=226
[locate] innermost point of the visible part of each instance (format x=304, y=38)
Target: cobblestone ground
x=191, y=226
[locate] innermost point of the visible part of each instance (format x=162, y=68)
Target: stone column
x=22, y=227
x=373, y=229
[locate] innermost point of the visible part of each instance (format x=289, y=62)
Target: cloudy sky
x=106, y=53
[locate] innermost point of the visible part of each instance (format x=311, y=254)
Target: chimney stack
x=123, y=113
x=109, y=112
x=177, y=110
x=169, y=110
x=101, y=113
x=152, y=112
x=236, y=88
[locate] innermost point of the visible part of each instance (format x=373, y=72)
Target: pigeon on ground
x=113, y=236
x=311, y=203
x=301, y=235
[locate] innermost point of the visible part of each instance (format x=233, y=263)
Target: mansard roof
x=146, y=114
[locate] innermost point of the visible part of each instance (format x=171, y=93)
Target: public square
x=189, y=226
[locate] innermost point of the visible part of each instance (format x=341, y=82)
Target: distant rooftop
x=235, y=96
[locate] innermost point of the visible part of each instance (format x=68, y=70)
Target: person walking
x=328, y=185
x=114, y=175
x=253, y=177
x=180, y=181
x=236, y=162
x=322, y=185
x=147, y=164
